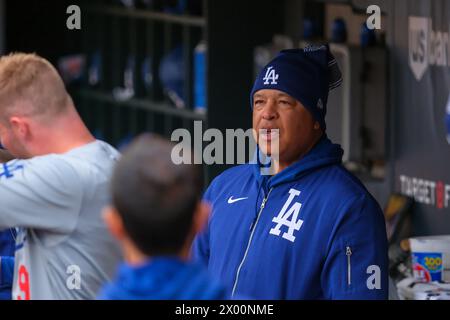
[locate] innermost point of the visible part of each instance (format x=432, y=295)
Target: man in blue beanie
x=310, y=230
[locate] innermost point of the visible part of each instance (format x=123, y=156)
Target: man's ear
x=201, y=216
x=114, y=222
x=316, y=125
x=20, y=127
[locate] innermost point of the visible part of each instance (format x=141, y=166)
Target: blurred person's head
x=289, y=102
x=156, y=205
x=37, y=115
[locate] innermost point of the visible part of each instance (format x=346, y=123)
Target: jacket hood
x=162, y=278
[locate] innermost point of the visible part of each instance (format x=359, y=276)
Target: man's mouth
x=269, y=134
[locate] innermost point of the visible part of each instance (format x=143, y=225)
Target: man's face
x=298, y=131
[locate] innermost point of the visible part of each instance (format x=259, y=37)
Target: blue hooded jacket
x=311, y=231
x=163, y=278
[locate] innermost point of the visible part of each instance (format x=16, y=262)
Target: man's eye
x=285, y=102
x=258, y=102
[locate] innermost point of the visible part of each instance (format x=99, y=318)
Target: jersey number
x=24, y=283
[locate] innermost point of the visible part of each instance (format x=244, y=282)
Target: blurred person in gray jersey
x=55, y=188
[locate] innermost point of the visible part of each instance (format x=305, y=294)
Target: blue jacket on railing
x=7, y=249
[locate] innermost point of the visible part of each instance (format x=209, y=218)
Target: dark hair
x=155, y=198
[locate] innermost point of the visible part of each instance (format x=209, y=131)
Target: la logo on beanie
x=271, y=76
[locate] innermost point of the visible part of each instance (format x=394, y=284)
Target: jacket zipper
x=348, y=253
x=252, y=229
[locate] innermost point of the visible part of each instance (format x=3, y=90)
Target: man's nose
x=270, y=110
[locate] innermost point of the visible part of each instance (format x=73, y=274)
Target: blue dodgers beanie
x=305, y=74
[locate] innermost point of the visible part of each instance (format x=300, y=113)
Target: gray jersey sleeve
x=41, y=193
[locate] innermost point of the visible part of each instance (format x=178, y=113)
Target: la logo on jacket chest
x=288, y=217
